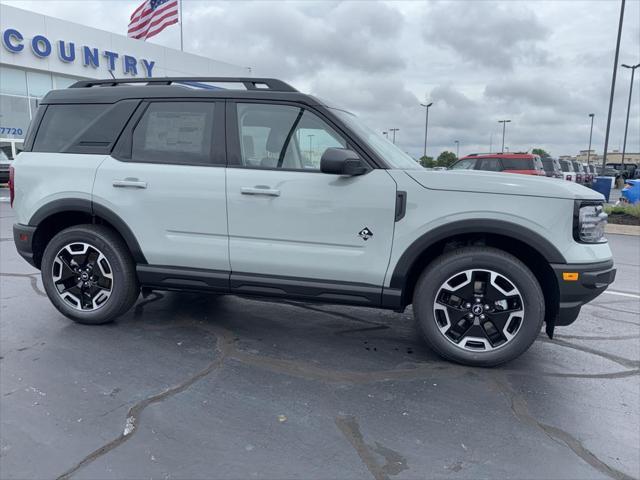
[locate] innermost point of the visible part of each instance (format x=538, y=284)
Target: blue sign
x=67, y=52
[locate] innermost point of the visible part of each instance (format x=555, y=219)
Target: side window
x=466, y=164
x=283, y=136
x=62, y=123
x=490, y=165
x=174, y=132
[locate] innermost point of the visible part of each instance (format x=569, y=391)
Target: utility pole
x=426, y=126
x=457, y=142
x=613, y=86
x=490, y=142
x=626, y=125
x=394, y=130
x=504, y=127
x=590, y=137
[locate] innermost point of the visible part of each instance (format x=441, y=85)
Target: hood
x=502, y=184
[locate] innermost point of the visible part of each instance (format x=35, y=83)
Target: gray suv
x=247, y=186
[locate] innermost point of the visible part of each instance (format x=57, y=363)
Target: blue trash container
x=631, y=191
x=603, y=185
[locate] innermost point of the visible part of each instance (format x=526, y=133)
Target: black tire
x=124, y=287
x=452, y=263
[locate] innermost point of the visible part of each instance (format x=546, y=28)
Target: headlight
x=589, y=223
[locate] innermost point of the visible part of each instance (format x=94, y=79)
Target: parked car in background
x=628, y=170
x=588, y=176
x=568, y=172
x=5, y=162
x=607, y=172
x=579, y=172
x=523, y=163
x=552, y=167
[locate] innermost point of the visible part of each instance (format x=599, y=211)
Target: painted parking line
x=621, y=294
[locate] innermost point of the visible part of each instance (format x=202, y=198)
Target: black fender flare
x=475, y=226
x=95, y=210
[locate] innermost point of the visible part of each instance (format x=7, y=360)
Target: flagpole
x=181, y=42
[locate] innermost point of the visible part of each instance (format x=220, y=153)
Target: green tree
x=541, y=152
x=427, y=162
x=446, y=159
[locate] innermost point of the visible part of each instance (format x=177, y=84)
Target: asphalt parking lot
x=195, y=386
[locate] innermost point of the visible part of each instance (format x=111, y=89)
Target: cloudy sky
x=543, y=64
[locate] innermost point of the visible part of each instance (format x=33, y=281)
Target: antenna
x=112, y=75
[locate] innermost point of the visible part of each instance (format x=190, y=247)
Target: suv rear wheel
x=89, y=275
x=478, y=306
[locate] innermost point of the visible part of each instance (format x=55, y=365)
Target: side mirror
x=342, y=161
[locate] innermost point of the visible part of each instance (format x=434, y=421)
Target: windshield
x=395, y=157
x=566, y=166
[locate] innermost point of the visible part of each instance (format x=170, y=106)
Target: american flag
x=152, y=17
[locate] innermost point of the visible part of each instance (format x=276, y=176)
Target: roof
x=500, y=155
x=111, y=91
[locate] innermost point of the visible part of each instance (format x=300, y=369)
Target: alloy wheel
x=82, y=276
x=478, y=310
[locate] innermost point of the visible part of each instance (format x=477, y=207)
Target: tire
x=496, y=335
x=115, y=282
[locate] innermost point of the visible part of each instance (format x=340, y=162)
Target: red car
x=524, y=163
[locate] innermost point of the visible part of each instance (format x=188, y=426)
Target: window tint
x=174, y=132
x=490, y=164
x=548, y=164
x=466, y=164
x=518, y=163
x=283, y=136
x=61, y=123
x=566, y=166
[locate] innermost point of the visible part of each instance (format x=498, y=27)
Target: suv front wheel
x=478, y=306
x=89, y=275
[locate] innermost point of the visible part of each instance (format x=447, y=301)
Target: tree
x=446, y=159
x=427, y=162
x=541, y=152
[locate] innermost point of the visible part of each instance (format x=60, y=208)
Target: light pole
x=457, y=142
x=310, y=149
x=590, y=137
x=504, y=127
x=613, y=86
x=626, y=125
x=394, y=130
x=426, y=126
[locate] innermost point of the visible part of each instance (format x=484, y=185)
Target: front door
x=167, y=183
x=287, y=220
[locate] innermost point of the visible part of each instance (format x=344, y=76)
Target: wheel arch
x=60, y=214
x=536, y=252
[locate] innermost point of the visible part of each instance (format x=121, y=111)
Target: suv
x=525, y=163
x=568, y=172
x=138, y=185
x=552, y=167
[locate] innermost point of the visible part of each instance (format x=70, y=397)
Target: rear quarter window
x=62, y=123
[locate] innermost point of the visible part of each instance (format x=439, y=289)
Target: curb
x=615, y=229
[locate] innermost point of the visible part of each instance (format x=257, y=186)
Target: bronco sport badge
x=365, y=234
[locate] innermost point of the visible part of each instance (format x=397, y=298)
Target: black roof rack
x=270, y=84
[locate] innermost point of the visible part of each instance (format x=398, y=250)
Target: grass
x=633, y=210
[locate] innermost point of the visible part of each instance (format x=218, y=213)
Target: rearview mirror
x=342, y=161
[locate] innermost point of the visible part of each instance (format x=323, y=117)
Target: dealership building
x=41, y=53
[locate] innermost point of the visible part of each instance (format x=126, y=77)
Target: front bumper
x=592, y=280
x=23, y=238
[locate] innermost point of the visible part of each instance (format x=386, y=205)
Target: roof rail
x=497, y=153
x=249, y=83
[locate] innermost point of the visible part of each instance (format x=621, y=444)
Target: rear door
x=286, y=218
x=166, y=180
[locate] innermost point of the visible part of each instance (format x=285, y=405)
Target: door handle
x=260, y=190
x=129, y=183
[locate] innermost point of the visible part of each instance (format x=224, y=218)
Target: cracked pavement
x=198, y=386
